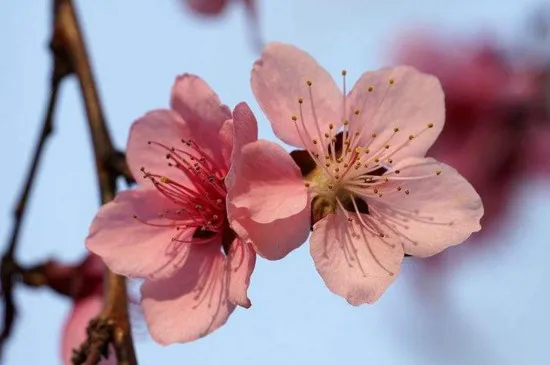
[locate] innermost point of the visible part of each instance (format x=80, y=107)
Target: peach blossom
x=360, y=178
x=172, y=230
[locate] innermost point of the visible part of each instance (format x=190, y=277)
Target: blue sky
x=497, y=302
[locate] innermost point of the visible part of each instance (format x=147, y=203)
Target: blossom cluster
x=211, y=196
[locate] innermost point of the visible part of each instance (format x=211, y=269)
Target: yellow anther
x=164, y=179
x=308, y=83
x=346, y=122
x=307, y=185
x=430, y=125
x=411, y=137
x=396, y=129
x=387, y=146
x=294, y=118
x=376, y=160
x=330, y=187
x=392, y=81
x=314, y=141
x=373, y=135
x=370, y=89
x=438, y=172
x=327, y=135
x=300, y=100
x=390, y=160
x=331, y=126
x=356, y=112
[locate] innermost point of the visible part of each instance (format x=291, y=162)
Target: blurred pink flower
x=215, y=7
x=172, y=230
x=362, y=182
x=83, y=283
x=497, y=129
x=76, y=281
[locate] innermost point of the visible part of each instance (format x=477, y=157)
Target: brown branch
x=9, y=268
x=70, y=57
x=115, y=311
x=100, y=335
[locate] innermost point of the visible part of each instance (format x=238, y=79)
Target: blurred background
x=484, y=302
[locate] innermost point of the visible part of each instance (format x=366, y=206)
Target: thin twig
x=115, y=310
x=10, y=269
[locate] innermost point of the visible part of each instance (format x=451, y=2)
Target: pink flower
x=361, y=180
x=172, y=230
x=83, y=283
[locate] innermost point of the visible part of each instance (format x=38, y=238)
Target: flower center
x=347, y=167
x=195, y=193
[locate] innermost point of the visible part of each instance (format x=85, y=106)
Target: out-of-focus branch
x=112, y=326
x=114, y=323
x=9, y=271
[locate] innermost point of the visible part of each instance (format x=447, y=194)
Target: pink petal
x=268, y=183
x=357, y=267
x=279, y=79
x=439, y=211
x=226, y=142
x=273, y=240
x=193, y=302
x=201, y=108
x=242, y=260
x=162, y=126
x=245, y=127
x=74, y=333
x=414, y=101
x=245, y=130
x=132, y=248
